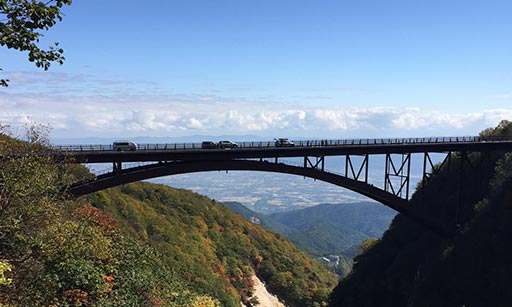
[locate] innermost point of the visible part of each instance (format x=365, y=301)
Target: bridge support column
x=458, y=218
x=402, y=173
x=117, y=167
x=427, y=162
x=318, y=164
x=353, y=175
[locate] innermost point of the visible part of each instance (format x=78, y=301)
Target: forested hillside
x=411, y=266
x=333, y=230
x=137, y=245
x=326, y=228
x=60, y=252
x=264, y=220
x=212, y=248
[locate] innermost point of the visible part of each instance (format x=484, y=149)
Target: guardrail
x=309, y=143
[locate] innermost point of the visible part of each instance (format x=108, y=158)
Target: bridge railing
x=300, y=143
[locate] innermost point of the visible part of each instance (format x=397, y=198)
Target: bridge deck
x=193, y=151
x=169, y=159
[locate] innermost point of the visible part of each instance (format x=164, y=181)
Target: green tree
x=56, y=251
x=21, y=25
x=368, y=244
x=29, y=203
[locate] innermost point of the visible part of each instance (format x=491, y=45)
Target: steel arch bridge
x=157, y=160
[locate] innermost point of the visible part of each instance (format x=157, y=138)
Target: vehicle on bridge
x=284, y=143
x=124, y=146
x=227, y=145
x=208, y=145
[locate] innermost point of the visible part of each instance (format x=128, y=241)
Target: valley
x=330, y=233
x=261, y=192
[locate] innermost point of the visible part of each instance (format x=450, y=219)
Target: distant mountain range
x=327, y=228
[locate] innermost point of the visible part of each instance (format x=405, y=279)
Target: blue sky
x=336, y=69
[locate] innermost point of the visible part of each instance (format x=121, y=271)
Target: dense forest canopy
x=411, y=266
x=137, y=245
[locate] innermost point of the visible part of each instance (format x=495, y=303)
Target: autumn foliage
x=137, y=245
x=60, y=252
x=213, y=248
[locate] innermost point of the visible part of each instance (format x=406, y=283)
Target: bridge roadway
x=252, y=150
x=171, y=159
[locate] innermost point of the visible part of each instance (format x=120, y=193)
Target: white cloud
x=416, y=119
x=134, y=114
x=195, y=123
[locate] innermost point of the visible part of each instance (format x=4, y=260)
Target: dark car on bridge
x=208, y=145
x=284, y=143
x=227, y=145
x=124, y=146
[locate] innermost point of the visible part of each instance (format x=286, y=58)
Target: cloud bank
x=135, y=116
x=135, y=112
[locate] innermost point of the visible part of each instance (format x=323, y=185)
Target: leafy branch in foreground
x=21, y=26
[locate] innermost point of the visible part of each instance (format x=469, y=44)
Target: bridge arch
x=155, y=170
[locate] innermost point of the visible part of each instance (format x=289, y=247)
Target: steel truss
x=354, y=173
x=402, y=173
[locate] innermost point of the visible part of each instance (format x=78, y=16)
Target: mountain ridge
x=318, y=231
x=314, y=229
